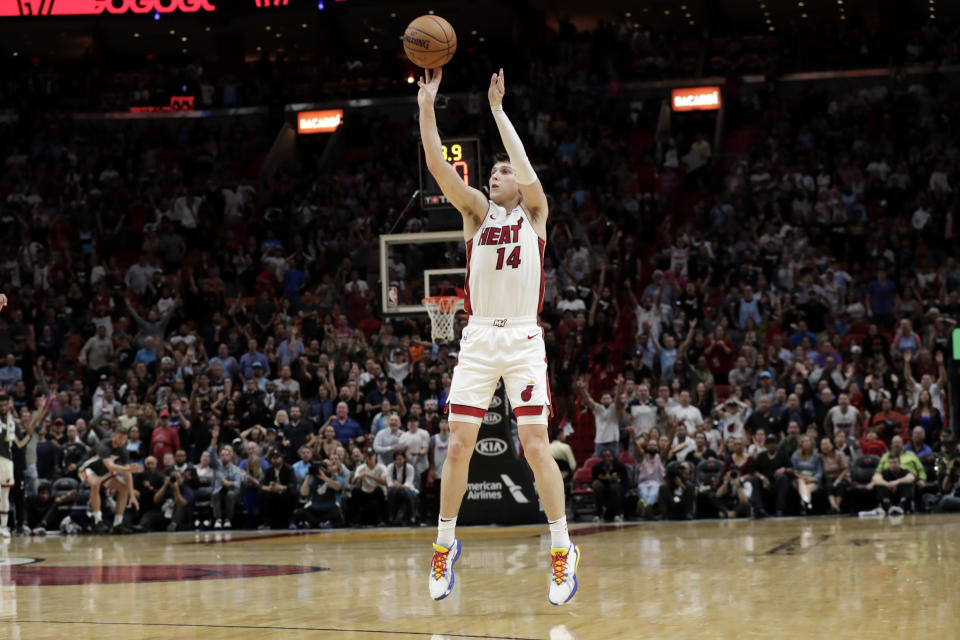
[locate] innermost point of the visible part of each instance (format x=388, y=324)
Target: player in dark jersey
x=108, y=467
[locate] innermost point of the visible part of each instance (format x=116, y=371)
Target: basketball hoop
x=442, y=310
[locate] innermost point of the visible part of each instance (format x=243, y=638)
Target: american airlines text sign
x=696, y=99
x=319, y=121
x=94, y=7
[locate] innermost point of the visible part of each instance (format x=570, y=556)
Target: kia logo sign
x=491, y=446
x=496, y=401
x=492, y=417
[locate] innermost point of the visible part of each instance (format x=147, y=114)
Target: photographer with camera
x=948, y=464
x=171, y=495
x=730, y=499
x=322, y=485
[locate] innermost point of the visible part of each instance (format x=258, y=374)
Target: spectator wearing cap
x=277, y=489
x=323, y=489
x=164, y=438
x=765, y=388
x=570, y=301
x=732, y=414
x=251, y=357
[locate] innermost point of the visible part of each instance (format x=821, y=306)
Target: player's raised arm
x=534, y=199
x=470, y=202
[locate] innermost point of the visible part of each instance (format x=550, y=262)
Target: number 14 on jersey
x=513, y=259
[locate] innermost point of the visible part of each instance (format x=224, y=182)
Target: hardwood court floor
x=831, y=578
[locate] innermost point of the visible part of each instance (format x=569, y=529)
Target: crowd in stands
x=728, y=333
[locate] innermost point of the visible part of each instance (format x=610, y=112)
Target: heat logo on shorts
x=10, y=8
x=527, y=393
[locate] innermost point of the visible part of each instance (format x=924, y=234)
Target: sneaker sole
x=576, y=584
x=452, y=575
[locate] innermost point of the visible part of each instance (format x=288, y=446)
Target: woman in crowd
x=401, y=491
x=836, y=474
x=927, y=416
x=808, y=472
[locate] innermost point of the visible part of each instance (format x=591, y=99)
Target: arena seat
x=863, y=470
x=708, y=470
x=584, y=502
x=590, y=462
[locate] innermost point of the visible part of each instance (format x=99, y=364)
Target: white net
x=442, y=310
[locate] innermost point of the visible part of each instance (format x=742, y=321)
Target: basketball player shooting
x=505, y=238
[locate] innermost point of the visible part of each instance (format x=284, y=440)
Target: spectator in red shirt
x=870, y=445
x=164, y=438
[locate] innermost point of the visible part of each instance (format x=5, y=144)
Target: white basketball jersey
x=504, y=266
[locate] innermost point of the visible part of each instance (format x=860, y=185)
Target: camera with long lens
x=734, y=474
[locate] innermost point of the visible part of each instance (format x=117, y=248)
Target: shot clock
x=463, y=154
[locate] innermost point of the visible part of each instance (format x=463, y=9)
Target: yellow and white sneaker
x=441, y=569
x=563, y=583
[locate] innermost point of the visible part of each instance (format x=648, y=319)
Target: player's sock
x=117, y=520
x=97, y=517
x=3, y=519
x=446, y=530
x=559, y=539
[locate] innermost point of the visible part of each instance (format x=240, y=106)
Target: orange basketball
x=429, y=42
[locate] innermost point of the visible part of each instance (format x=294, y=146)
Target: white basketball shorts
x=494, y=348
x=6, y=472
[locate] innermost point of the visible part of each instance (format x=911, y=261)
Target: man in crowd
x=610, y=478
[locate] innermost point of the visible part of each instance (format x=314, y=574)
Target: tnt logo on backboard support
x=10, y=8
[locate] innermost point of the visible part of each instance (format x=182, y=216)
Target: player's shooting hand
x=496, y=91
x=429, y=87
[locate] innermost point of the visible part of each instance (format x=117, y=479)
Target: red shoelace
x=559, y=567
x=439, y=563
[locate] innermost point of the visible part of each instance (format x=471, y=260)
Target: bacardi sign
x=696, y=99
x=10, y=8
x=325, y=121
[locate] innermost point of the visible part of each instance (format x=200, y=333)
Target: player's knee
x=457, y=451
x=536, y=449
